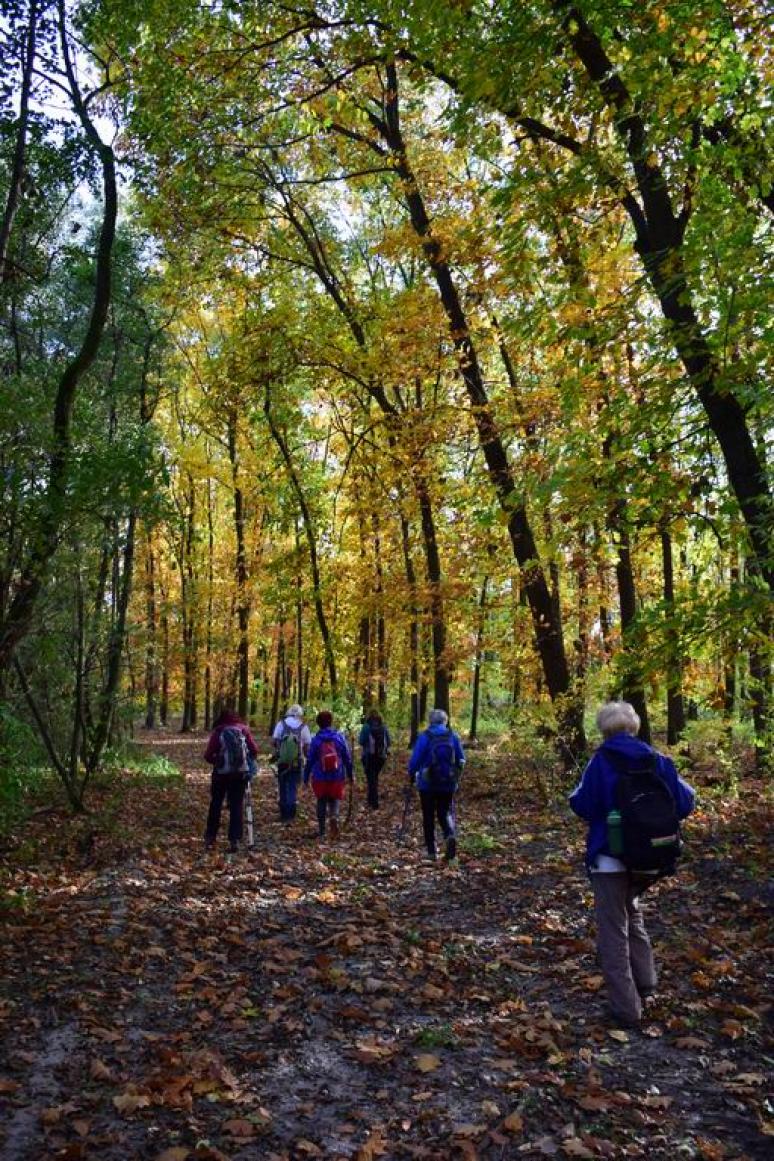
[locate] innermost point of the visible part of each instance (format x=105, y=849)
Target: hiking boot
x=451, y=848
x=431, y=857
x=233, y=849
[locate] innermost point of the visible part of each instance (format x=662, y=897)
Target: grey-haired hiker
x=436, y=766
x=291, y=740
x=623, y=946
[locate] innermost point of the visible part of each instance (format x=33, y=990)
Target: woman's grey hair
x=617, y=717
x=295, y=711
x=438, y=717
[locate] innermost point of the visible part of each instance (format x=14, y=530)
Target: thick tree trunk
x=659, y=233
x=548, y=633
x=16, y=176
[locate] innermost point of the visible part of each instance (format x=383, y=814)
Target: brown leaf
x=98, y=1070
x=574, y=1147
x=129, y=1102
x=513, y=1123
x=691, y=1042
x=375, y=1146
x=238, y=1127
x=426, y=1062
x=175, y=1153
x=9, y=1086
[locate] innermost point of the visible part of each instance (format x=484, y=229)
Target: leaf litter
x=346, y=1000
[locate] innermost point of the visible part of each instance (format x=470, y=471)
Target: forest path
x=347, y=1000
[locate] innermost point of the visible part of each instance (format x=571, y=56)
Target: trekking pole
x=249, y=814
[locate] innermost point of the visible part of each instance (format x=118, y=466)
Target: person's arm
x=417, y=759
x=459, y=753
x=311, y=758
x=684, y=795
x=583, y=799
x=305, y=739
x=346, y=756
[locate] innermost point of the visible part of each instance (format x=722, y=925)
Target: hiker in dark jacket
x=374, y=743
x=328, y=766
x=435, y=766
x=623, y=947
x=229, y=778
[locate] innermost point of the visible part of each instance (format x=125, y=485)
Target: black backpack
x=377, y=741
x=650, y=828
x=232, y=751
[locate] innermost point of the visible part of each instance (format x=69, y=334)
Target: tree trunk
x=18, y=615
x=479, y=657
x=674, y=668
x=306, y=516
x=151, y=636
x=548, y=633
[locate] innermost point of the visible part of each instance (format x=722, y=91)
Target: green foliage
x=153, y=769
x=440, y=1036
x=23, y=766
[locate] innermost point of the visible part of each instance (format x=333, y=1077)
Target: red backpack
x=329, y=757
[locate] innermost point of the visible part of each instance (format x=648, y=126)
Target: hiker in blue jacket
x=435, y=766
x=623, y=946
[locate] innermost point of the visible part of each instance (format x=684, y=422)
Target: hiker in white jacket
x=291, y=739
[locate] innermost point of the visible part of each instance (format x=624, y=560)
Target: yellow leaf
x=426, y=1062
x=619, y=1034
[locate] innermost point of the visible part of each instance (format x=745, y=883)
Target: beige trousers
x=623, y=946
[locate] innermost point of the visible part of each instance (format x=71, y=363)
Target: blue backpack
x=442, y=767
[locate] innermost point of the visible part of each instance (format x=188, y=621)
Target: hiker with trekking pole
x=435, y=767
x=232, y=752
x=374, y=742
x=633, y=800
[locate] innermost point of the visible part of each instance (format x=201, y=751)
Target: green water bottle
x=614, y=833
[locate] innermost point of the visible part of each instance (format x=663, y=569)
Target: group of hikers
x=324, y=762
x=630, y=795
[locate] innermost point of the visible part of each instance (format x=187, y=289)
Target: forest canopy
x=376, y=354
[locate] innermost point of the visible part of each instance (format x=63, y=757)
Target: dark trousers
x=287, y=782
x=232, y=788
x=328, y=808
x=440, y=805
x=372, y=766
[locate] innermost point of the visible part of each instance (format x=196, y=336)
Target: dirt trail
x=346, y=1000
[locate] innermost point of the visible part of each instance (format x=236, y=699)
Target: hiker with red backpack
x=374, y=743
x=435, y=767
x=291, y=740
x=232, y=753
x=328, y=767
x=633, y=800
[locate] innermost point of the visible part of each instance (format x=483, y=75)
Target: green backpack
x=289, y=752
